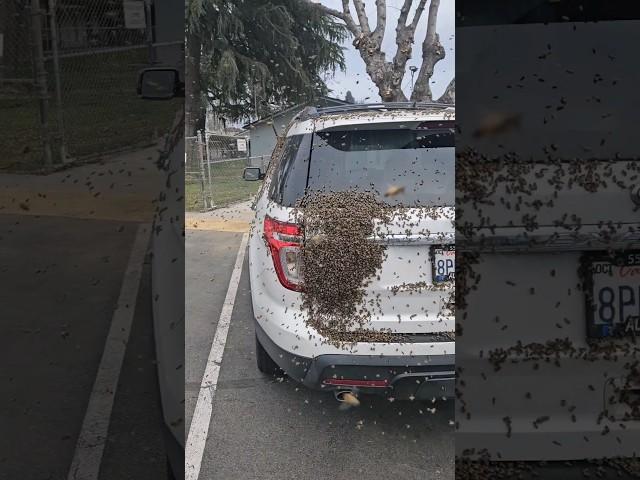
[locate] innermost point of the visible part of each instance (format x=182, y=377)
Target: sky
x=356, y=79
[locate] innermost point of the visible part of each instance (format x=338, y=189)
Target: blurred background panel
x=90, y=172
x=547, y=233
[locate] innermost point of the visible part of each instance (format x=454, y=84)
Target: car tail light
x=285, y=242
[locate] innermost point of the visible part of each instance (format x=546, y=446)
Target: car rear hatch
x=557, y=233
x=412, y=292
x=550, y=285
x=408, y=164
x=405, y=159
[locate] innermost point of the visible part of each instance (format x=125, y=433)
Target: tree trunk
x=449, y=95
x=387, y=79
x=387, y=76
x=194, y=109
x=432, y=53
x=382, y=73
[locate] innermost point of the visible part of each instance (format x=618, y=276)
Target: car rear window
x=416, y=165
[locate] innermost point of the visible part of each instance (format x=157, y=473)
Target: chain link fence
x=213, y=171
x=69, y=68
x=196, y=180
x=19, y=97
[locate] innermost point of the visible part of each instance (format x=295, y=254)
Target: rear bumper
x=424, y=377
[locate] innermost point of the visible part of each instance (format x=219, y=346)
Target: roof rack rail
x=383, y=106
x=307, y=112
x=311, y=112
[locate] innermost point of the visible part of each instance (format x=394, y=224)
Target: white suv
x=404, y=153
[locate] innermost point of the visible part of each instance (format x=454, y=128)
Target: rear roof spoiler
x=313, y=112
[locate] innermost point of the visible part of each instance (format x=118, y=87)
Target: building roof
x=320, y=101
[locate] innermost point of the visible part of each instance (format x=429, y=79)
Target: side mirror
x=160, y=83
x=252, y=174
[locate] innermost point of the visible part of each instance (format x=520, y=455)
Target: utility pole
x=41, y=80
x=57, y=80
x=149, y=31
x=255, y=98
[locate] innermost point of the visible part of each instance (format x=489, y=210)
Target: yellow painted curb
x=237, y=226
x=125, y=207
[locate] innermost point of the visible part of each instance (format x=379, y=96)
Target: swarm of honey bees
x=495, y=470
x=339, y=261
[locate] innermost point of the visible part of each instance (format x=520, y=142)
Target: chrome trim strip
x=556, y=242
x=414, y=239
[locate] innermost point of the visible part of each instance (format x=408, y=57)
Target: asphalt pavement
x=263, y=428
x=65, y=245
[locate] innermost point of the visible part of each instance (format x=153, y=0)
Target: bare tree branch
x=431, y=23
x=405, y=34
x=449, y=95
x=381, y=21
x=345, y=15
x=348, y=19
x=405, y=37
x=379, y=70
x=388, y=75
x=418, y=14
x=404, y=13
x=345, y=7
x=362, y=16
x=432, y=53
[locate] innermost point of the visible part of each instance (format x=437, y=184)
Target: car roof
x=312, y=119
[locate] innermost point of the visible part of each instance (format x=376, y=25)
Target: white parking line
x=199, y=430
x=93, y=435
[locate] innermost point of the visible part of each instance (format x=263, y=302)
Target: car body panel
x=168, y=304
x=279, y=313
x=530, y=387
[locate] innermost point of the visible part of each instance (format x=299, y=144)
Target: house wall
x=263, y=139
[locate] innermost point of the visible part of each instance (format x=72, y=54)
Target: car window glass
x=290, y=177
x=418, y=166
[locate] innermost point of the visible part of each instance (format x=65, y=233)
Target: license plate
x=613, y=294
x=444, y=263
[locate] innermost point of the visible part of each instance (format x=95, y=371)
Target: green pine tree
x=251, y=56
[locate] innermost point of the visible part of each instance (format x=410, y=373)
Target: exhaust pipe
x=348, y=398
